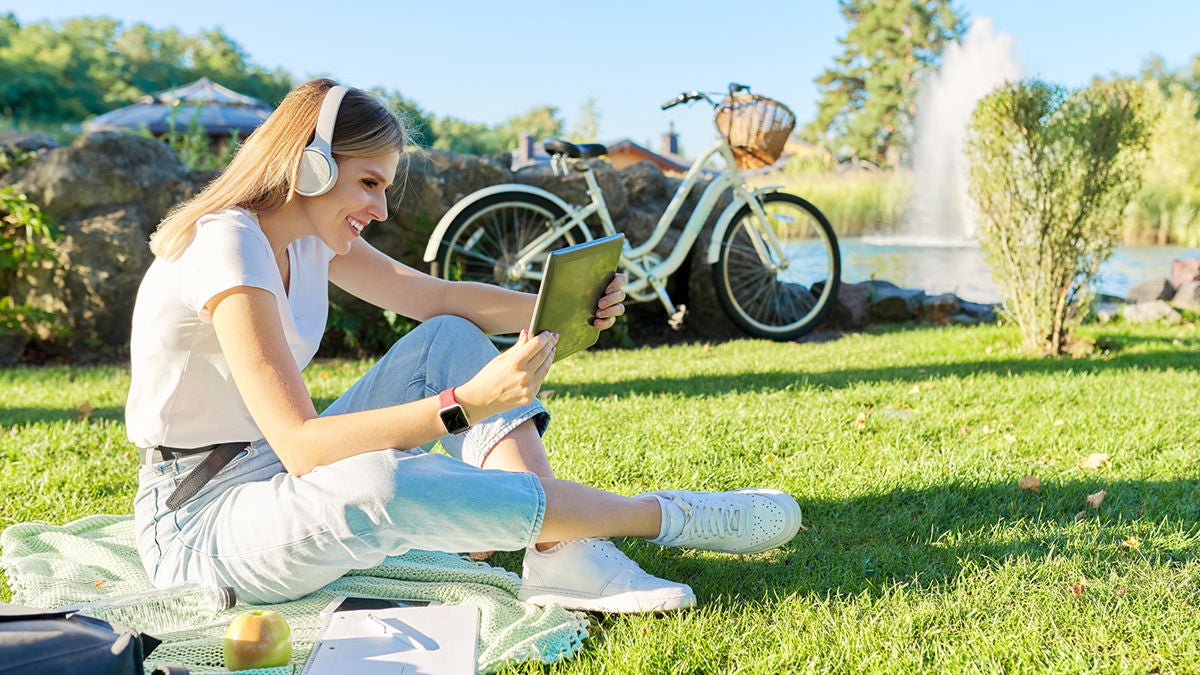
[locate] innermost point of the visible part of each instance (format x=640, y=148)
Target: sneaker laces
x=610, y=551
x=711, y=521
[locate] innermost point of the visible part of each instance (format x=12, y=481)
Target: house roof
x=217, y=109
x=665, y=160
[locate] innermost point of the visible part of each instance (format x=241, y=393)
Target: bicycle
x=775, y=261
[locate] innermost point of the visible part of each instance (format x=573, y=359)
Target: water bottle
x=162, y=610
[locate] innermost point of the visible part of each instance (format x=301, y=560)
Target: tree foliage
x=868, y=98
x=1050, y=173
x=87, y=66
x=58, y=73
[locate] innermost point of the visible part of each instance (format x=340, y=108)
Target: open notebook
x=410, y=640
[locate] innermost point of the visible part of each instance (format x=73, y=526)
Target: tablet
x=572, y=283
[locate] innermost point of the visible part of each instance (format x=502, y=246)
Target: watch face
x=454, y=419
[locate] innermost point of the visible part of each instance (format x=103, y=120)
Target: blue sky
x=486, y=60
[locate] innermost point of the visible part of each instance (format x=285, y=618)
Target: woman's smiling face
x=359, y=196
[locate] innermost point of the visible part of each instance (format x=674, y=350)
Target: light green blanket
x=95, y=557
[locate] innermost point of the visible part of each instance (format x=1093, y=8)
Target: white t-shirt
x=182, y=394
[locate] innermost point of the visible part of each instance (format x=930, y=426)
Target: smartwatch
x=454, y=418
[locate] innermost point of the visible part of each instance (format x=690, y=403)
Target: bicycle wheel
x=785, y=300
x=485, y=241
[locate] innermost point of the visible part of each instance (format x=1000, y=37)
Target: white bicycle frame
x=647, y=273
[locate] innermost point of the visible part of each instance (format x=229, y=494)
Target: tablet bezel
x=573, y=281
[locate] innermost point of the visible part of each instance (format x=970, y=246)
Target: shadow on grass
x=1173, y=358
x=923, y=538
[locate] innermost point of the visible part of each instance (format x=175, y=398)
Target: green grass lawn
x=921, y=553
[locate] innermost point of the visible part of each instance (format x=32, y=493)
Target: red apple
x=258, y=638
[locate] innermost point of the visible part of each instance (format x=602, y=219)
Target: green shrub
x=1167, y=208
x=1050, y=173
x=26, y=239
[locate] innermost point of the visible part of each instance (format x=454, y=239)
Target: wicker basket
x=756, y=127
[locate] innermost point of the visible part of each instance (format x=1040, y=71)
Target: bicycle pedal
x=676, y=320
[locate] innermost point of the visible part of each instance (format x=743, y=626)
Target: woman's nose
x=379, y=209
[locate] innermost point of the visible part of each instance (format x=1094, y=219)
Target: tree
x=868, y=99
x=1050, y=172
x=54, y=73
x=541, y=122
x=587, y=127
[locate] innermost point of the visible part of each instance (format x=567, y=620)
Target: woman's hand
x=612, y=304
x=511, y=379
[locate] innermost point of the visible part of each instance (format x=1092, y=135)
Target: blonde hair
x=262, y=175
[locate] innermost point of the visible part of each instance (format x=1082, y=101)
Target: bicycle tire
x=779, y=304
x=482, y=242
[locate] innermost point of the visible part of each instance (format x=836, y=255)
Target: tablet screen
x=574, y=281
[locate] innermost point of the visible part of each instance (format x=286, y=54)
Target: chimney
x=525, y=148
x=670, y=141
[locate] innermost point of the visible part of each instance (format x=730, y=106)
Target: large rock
x=429, y=184
x=1151, y=290
x=1148, y=312
x=890, y=303
x=1183, y=271
x=1187, y=296
x=573, y=186
x=107, y=192
x=852, y=309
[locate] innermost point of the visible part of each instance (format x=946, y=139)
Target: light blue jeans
x=274, y=537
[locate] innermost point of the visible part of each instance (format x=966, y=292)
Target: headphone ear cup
x=318, y=173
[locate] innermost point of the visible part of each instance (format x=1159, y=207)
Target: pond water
x=959, y=268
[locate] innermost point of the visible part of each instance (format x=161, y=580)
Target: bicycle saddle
x=557, y=146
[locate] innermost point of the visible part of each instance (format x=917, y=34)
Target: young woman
x=244, y=484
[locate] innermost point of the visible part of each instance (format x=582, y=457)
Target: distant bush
x=1050, y=174
x=1166, y=210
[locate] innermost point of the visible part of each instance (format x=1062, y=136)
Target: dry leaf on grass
x=1096, y=499
x=1059, y=422
x=1094, y=460
x=1079, y=588
x=85, y=411
x=1132, y=543
x=1030, y=483
x=860, y=422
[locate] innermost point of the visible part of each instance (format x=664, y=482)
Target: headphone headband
x=327, y=118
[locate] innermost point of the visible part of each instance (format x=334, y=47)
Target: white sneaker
x=595, y=576
x=738, y=521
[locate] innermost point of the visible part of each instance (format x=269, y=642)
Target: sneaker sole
x=632, y=602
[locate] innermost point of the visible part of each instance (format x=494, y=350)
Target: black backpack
x=40, y=641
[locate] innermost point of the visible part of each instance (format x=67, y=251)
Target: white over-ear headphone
x=318, y=171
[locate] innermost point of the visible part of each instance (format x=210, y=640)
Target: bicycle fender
x=718, y=233
x=435, y=239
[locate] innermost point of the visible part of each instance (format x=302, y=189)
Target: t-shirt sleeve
x=224, y=254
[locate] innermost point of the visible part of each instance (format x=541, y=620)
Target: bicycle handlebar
x=685, y=97
x=689, y=96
